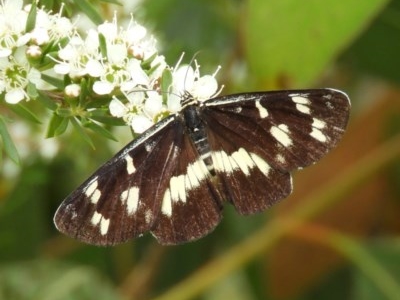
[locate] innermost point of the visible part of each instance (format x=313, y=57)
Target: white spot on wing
x=91, y=187
x=280, y=158
x=166, y=207
x=104, y=224
x=191, y=176
x=148, y=216
x=243, y=160
x=200, y=170
x=97, y=219
x=223, y=162
x=299, y=99
x=301, y=103
x=130, y=168
x=261, y=109
x=261, y=164
x=180, y=185
x=149, y=146
x=131, y=198
x=178, y=188
x=280, y=133
x=92, y=192
x=95, y=196
x=318, y=135
x=303, y=109
x=318, y=123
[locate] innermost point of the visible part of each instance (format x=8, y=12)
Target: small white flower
x=103, y=87
x=12, y=26
x=40, y=36
x=72, y=90
x=117, y=108
x=185, y=79
x=153, y=105
x=140, y=123
x=15, y=75
x=50, y=27
x=74, y=58
x=34, y=51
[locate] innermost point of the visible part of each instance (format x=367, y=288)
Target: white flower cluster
x=17, y=46
x=145, y=108
x=121, y=64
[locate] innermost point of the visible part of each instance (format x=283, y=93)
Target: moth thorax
x=187, y=99
x=197, y=131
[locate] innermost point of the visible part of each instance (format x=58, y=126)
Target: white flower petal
x=109, y=30
x=138, y=75
x=62, y=68
x=140, y=123
x=72, y=90
x=174, y=102
x=102, y=87
x=117, y=108
x=205, y=87
x=94, y=68
x=153, y=104
x=14, y=96
x=5, y=52
x=183, y=78
x=117, y=54
x=136, y=98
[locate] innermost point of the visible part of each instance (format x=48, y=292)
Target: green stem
x=354, y=252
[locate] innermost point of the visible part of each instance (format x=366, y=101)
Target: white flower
x=140, y=123
x=72, y=90
x=117, y=108
x=185, y=80
x=50, y=27
x=116, y=69
x=15, y=75
x=79, y=58
x=141, y=111
x=12, y=26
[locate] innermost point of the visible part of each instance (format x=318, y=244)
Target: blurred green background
x=336, y=237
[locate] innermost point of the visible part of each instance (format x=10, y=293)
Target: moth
x=174, y=179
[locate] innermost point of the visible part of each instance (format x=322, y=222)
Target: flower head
x=143, y=108
x=15, y=75
x=12, y=26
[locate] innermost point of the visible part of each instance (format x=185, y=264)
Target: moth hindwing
x=172, y=180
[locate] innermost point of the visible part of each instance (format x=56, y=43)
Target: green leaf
x=294, y=41
x=101, y=130
x=64, y=112
x=83, y=96
x=100, y=102
x=166, y=81
x=102, y=45
x=57, y=125
x=53, y=279
x=8, y=144
x=31, y=21
x=59, y=84
x=46, y=101
x=112, y=2
x=107, y=120
x=82, y=132
x=89, y=10
x=104, y=117
x=146, y=64
x=379, y=279
x=24, y=112
x=32, y=91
